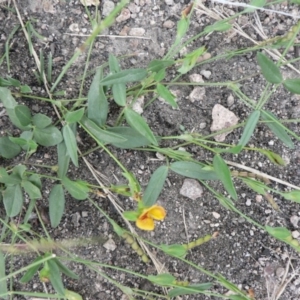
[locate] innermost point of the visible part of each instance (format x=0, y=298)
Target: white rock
x=230, y=100
x=295, y=234
x=169, y=2
x=110, y=245
x=191, y=188
x=206, y=73
x=216, y=215
x=294, y=220
x=197, y=94
x=222, y=119
x=138, y=105
x=202, y=125
x=90, y=2
x=108, y=7
x=248, y=202
x=124, y=15
x=168, y=24
x=137, y=31
x=196, y=78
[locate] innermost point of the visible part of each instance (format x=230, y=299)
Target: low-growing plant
x=131, y=131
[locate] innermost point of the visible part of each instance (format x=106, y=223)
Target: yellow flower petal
x=156, y=212
x=145, y=223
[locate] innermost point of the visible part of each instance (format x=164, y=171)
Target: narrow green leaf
x=133, y=139
x=182, y=27
x=218, y=26
x=160, y=75
x=8, y=149
x=31, y=271
x=7, y=99
x=224, y=175
x=56, y=204
x=273, y=157
x=64, y=269
x=103, y=136
x=292, y=195
x=49, y=136
x=55, y=277
x=23, y=114
x=74, y=116
x=270, y=71
x=36, y=180
x=162, y=279
x=277, y=128
x=256, y=3
x=131, y=215
x=41, y=121
x=97, y=102
x=119, y=93
x=77, y=189
x=155, y=185
x=13, y=200
x=193, y=170
x=8, y=179
x=190, y=60
x=292, y=85
x=249, y=128
x=113, y=63
x=139, y=124
x=70, y=295
x=163, y=92
x=158, y=65
x=280, y=233
x=189, y=290
x=25, y=89
x=71, y=144
x=19, y=171
x=3, y=285
x=174, y=250
x=32, y=190
x=124, y=76
x=256, y=186
x=63, y=159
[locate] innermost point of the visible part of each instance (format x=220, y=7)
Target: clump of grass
x=90, y=115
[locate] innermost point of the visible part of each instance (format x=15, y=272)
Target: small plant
x=130, y=130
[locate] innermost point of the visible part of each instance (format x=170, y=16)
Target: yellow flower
x=146, y=219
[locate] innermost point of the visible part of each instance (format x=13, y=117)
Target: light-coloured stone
x=222, y=119
x=90, y=2
x=169, y=2
x=206, y=73
x=216, y=215
x=197, y=94
x=110, y=245
x=137, y=31
x=168, y=24
x=138, y=105
x=196, y=78
x=124, y=15
x=295, y=234
x=108, y=7
x=230, y=100
x=191, y=188
x=294, y=220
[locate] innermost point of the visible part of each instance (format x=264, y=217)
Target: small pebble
x=248, y=202
x=230, y=100
x=168, y=24
x=137, y=31
x=84, y=214
x=108, y=7
x=191, y=188
x=124, y=15
x=216, y=215
x=294, y=220
x=206, y=73
x=295, y=234
x=271, y=143
x=110, y=245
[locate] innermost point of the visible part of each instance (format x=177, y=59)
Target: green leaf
x=74, y=116
x=155, y=185
x=7, y=99
x=124, y=76
x=100, y=135
x=31, y=271
x=133, y=184
x=113, y=63
x=49, y=136
x=55, y=277
x=8, y=149
x=270, y=71
x=189, y=290
x=273, y=157
x=292, y=195
x=13, y=200
x=182, y=27
x=71, y=144
x=174, y=250
x=193, y=170
x=3, y=286
x=23, y=114
x=292, y=85
x=25, y=89
x=70, y=295
x=280, y=233
x=163, y=92
x=160, y=75
x=32, y=190
x=78, y=189
x=119, y=93
x=157, y=65
x=56, y=204
x=63, y=159
x=41, y=121
x=249, y=128
x=256, y=186
x=218, y=26
x=256, y=3
x=19, y=171
x=36, y=180
x=277, y=128
x=133, y=138
x=190, y=60
x=139, y=124
x=162, y=279
x=8, y=179
x=224, y=175
x=131, y=215
x=97, y=102
x=64, y=269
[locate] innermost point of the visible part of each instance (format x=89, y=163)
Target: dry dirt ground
x=242, y=253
